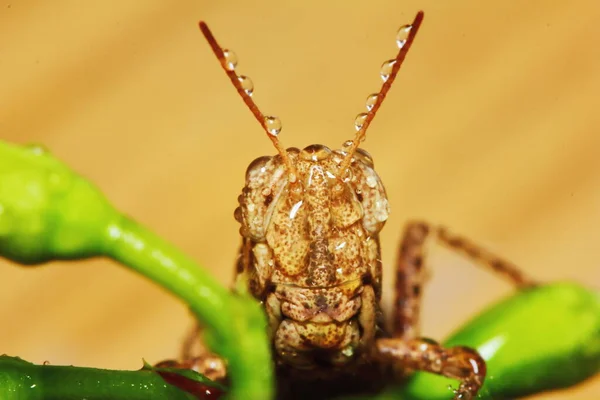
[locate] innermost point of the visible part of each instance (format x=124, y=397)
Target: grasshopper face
x=311, y=252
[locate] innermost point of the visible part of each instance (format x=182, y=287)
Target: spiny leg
x=196, y=356
x=411, y=274
x=461, y=363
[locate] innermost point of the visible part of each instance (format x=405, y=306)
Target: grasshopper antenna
x=245, y=87
x=389, y=70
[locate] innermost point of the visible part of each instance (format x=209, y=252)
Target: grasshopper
x=310, y=253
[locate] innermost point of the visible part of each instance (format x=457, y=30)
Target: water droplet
x=371, y=100
x=360, y=120
x=402, y=35
x=382, y=210
x=347, y=144
x=230, y=60
x=348, y=351
x=365, y=157
x=347, y=175
x=37, y=149
x=386, y=69
x=371, y=181
x=246, y=84
x=273, y=125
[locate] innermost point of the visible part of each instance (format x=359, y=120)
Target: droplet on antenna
x=371, y=100
x=246, y=84
x=230, y=60
x=386, y=69
x=273, y=125
x=360, y=121
x=402, y=35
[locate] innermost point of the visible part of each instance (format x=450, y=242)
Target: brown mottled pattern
x=411, y=271
x=315, y=242
x=409, y=279
x=458, y=362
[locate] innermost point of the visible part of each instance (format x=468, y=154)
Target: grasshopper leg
x=461, y=363
x=411, y=273
x=196, y=356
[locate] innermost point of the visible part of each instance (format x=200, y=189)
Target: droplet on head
x=230, y=60
x=347, y=175
x=246, y=84
x=386, y=69
x=273, y=125
x=258, y=166
x=360, y=121
x=371, y=100
x=402, y=35
x=371, y=181
x=382, y=210
x=364, y=156
x=315, y=152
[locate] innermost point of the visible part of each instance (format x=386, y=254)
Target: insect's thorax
x=311, y=252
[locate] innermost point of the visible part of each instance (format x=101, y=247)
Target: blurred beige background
x=492, y=128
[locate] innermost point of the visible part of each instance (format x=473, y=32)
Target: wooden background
x=491, y=128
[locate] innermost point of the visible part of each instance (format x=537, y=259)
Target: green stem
x=235, y=325
x=162, y=263
x=48, y=212
x=22, y=380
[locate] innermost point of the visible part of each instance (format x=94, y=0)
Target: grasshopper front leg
x=461, y=363
x=411, y=271
x=405, y=350
x=196, y=356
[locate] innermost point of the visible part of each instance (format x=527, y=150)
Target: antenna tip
x=204, y=28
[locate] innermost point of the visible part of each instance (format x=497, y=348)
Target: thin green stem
x=22, y=380
x=235, y=324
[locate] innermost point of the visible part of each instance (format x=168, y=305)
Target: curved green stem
x=22, y=380
x=235, y=323
x=48, y=212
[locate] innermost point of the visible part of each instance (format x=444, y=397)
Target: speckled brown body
x=310, y=253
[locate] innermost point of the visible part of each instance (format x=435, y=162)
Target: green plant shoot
x=48, y=212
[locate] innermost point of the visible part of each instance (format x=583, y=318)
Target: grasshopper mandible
x=310, y=222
